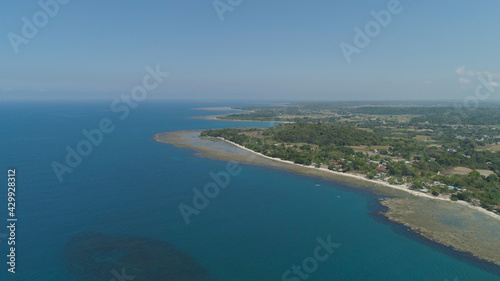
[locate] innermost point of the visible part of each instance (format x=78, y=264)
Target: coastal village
x=411, y=147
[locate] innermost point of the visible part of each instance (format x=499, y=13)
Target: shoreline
x=216, y=118
x=363, y=178
x=223, y=108
x=459, y=225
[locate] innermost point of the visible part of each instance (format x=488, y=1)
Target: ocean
x=116, y=215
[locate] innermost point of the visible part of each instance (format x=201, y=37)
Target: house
x=451, y=187
x=380, y=169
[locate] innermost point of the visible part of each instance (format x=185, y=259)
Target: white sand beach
x=374, y=181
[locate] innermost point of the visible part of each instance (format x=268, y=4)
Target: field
x=423, y=138
x=465, y=171
x=491, y=147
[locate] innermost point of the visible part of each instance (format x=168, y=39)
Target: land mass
x=431, y=149
x=347, y=149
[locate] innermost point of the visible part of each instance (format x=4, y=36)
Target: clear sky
x=263, y=49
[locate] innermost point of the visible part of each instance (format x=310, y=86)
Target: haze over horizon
x=261, y=50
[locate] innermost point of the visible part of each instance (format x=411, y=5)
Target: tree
x=474, y=174
x=464, y=196
x=493, y=178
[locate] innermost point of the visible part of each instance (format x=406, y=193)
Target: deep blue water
x=123, y=200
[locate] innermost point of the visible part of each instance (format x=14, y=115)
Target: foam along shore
x=457, y=224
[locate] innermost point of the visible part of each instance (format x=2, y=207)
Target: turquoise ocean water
x=116, y=217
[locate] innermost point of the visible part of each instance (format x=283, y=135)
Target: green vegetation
x=417, y=146
x=322, y=134
x=483, y=116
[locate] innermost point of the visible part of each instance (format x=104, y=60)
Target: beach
x=459, y=225
x=372, y=181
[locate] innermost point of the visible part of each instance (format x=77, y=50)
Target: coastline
x=379, y=182
x=216, y=117
x=223, y=108
x=473, y=231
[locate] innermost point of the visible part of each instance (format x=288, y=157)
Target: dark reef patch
x=96, y=256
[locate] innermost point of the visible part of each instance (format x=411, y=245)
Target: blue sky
x=277, y=50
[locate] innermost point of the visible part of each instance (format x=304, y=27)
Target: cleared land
x=465, y=171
